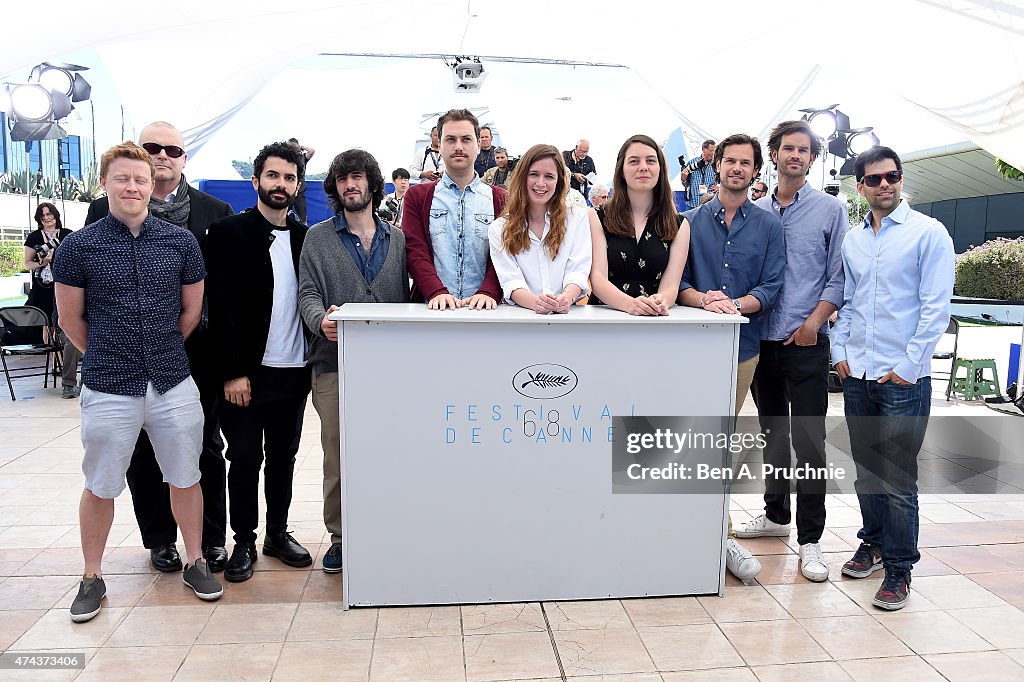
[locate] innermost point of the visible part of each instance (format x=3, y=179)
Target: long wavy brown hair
x=618, y=212
x=515, y=238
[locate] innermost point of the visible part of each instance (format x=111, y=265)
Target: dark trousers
x=887, y=424
x=792, y=381
x=268, y=428
x=151, y=496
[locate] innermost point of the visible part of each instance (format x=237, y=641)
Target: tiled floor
x=964, y=620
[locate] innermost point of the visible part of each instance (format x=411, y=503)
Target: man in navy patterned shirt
x=129, y=289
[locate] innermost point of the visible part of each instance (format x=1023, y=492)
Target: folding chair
x=15, y=323
x=952, y=329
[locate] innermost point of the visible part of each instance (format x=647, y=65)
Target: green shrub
x=12, y=258
x=993, y=270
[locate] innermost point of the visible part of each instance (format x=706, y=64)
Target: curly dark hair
x=53, y=211
x=348, y=162
x=281, y=150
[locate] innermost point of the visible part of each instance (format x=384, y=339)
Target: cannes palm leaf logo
x=545, y=380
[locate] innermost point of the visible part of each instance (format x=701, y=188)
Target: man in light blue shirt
x=792, y=374
x=899, y=281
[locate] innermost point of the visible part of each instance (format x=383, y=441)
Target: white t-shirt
x=286, y=346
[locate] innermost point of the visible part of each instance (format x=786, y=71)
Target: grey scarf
x=175, y=211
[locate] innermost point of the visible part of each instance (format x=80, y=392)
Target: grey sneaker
x=201, y=580
x=87, y=602
x=69, y=392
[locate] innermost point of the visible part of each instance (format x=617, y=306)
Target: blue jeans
x=887, y=424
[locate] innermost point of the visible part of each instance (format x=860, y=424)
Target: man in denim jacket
x=445, y=224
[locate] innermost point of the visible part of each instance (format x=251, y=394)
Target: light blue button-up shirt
x=815, y=225
x=458, y=233
x=899, y=283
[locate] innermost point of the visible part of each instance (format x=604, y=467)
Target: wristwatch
x=736, y=302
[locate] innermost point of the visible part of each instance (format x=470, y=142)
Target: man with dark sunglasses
x=899, y=281
x=758, y=190
x=177, y=202
x=792, y=375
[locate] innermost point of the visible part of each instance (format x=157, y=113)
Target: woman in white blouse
x=541, y=247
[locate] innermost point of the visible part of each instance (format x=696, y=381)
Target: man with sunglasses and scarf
x=176, y=202
x=899, y=281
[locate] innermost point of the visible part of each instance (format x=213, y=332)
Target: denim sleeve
x=774, y=268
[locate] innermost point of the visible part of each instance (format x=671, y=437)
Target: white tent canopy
x=219, y=70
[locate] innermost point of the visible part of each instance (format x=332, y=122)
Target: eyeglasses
x=892, y=177
x=757, y=190
x=173, y=151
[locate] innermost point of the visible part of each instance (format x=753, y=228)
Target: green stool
x=974, y=383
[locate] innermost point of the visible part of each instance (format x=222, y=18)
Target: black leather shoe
x=165, y=558
x=239, y=566
x=284, y=547
x=216, y=558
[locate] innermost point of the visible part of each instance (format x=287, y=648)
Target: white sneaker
x=812, y=564
x=761, y=527
x=740, y=562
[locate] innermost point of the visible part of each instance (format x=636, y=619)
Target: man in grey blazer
x=355, y=257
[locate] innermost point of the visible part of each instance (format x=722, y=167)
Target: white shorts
x=110, y=429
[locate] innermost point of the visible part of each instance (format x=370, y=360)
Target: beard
x=357, y=203
x=275, y=201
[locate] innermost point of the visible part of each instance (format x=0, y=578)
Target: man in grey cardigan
x=355, y=257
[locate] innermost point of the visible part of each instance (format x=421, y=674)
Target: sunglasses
x=760, y=191
x=173, y=151
x=892, y=177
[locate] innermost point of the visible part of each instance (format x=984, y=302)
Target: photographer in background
x=299, y=206
x=499, y=174
x=698, y=175
x=39, y=248
x=390, y=210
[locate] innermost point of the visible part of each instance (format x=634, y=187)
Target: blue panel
x=945, y=213
x=970, y=223
x=241, y=195
x=680, y=198
x=1006, y=213
x=923, y=208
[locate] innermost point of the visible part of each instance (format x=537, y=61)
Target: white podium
x=476, y=454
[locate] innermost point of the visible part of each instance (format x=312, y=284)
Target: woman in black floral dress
x=640, y=247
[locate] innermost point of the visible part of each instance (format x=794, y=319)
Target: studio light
x=861, y=141
x=35, y=107
x=30, y=102
x=63, y=78
x=825, y=122
x=840, y=139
